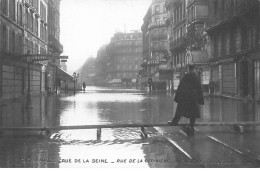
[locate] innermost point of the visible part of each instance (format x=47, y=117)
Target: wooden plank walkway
x=125, y=126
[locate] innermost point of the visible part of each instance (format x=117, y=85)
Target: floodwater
x=122, y=147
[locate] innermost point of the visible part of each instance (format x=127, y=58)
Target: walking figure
x=84, y=86
x=150, y=82
x=188, y=96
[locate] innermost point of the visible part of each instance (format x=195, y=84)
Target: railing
x=159, y=48
x=156, y=24
x=140, y=125
x=159, y=36
x=178, y=43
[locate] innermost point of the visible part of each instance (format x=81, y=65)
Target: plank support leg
x=239, y=128
x=187, y=130
x=45, y=132
x=143, y=132
x=98, y=133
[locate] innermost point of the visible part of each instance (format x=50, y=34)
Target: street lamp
x=75, y=77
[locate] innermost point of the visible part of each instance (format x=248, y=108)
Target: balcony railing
x=159, y=36
x=160, y=48
x=156, y=24
x=55, y=44
x=178, y=43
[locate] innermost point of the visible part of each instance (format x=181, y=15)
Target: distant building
x=87, y=72
x=124, y=58
x=101, y=67
x=155, y=47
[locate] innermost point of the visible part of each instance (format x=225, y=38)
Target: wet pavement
x=212, y=146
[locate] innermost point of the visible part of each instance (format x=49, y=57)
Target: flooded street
x=124, y=147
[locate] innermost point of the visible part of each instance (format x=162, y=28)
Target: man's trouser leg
x=176, y=118
x=192, y=122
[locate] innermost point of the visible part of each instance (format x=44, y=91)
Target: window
x=164, y=8
x=43, y=11
x=12, y=10
x=223, y=44
x=1, y=40
x=20, y=40
x=216, y=8
x=19, y=14
x=10, y=41
x=36, y=26
x=216, y=46
x=180, y=12
x=4, y=39
x=157, y=10
x=35, y=48
x=157, y=20
x=16, y=44
x=26, y=18
x=4, y=6
x=31, y=22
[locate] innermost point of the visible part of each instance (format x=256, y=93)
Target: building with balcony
x=155, y=47
x=23, y=48
x=23, y=30
x=124, y=58
x=177, y=29
x=56, y=75
x=187, y=21
x=235, y=44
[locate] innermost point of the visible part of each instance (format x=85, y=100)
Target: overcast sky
x=88, y=24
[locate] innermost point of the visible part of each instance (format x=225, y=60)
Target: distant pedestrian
x=150, y=83
x=84, y=86
x=188, y=96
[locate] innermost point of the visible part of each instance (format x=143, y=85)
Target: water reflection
x=103, y=106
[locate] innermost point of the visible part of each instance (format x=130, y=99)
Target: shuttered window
x=4, y=6
x=12, y=9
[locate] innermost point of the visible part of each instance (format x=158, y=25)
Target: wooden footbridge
x=136, y=125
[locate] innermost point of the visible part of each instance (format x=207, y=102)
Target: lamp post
x=75, y=77
x=29, y=96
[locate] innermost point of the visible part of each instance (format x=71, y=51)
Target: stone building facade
x=235, y=42
x=23, y=32
x=222, y=38
x=124, y=58
x=155, y=46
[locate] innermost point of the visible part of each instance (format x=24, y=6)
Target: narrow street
x=211, y=146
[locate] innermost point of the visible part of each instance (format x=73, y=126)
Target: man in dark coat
x=188, y=96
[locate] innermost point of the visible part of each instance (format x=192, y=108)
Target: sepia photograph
x=129, y=84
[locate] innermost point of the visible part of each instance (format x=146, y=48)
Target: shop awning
x=115, y=81
x=63, y=74
x=197, y=57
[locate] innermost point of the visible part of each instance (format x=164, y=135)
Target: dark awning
x=63, y=74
